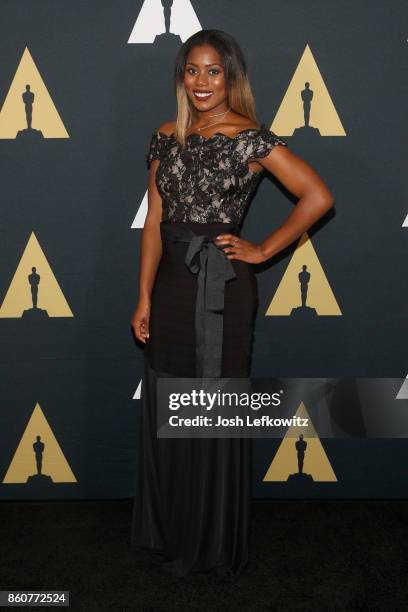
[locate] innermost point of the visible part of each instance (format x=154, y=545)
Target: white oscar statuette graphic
x=164, y=21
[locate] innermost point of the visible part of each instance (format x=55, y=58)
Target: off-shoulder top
x=209, y=180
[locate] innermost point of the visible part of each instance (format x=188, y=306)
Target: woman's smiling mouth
x=202, y=95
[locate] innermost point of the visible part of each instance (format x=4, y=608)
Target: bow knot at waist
x=214, y=270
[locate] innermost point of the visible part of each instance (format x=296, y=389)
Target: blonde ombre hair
x=240, y=97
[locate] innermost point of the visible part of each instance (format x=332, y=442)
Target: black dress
x=192, y=495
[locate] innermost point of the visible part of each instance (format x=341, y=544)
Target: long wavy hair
x=240, y=97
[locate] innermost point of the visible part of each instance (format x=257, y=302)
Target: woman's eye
x=213, y=70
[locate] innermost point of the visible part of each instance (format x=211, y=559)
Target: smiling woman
x=198, y=298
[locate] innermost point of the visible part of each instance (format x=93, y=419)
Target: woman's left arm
x=315, y=199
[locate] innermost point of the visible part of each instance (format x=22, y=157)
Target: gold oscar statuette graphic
x=28, y=112
x=304, y=291
x=34, y=292
x=307, y=109
x=300, y=457
x=38, y=461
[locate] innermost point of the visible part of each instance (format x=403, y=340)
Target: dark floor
x=308, y=555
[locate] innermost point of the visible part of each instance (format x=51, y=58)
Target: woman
x=192, y=495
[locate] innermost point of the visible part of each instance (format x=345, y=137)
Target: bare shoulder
x=167, y=128
x=240, y=124
x=249, y=126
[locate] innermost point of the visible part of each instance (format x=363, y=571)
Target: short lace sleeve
x=155, y=148
x=262, y=142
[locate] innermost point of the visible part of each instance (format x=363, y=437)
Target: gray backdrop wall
x=72, y=188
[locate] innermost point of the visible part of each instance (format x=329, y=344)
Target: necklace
x=214, y=122
x=217, y=114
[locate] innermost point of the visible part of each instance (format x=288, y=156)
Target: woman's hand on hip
x=239, y=248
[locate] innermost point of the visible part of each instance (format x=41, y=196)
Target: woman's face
x=204, y=74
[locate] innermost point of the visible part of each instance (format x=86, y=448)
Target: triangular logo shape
x=403, y=392
x=28, y=101
x=138, y=392
x=405, y=224
x=285, y=462
x=159, y=20
x=34, y=291
x=38, y=450
x=304, y=280
x=140, y=218
x=307, y=104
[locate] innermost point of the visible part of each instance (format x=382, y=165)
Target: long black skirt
x=192, y=494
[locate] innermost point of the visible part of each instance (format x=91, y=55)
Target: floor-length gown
x=192, y=495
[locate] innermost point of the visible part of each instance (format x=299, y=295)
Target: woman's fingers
x=226, y=239
x=145, y=329
x=141, y=329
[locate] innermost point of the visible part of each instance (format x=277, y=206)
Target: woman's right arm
x=150, y=255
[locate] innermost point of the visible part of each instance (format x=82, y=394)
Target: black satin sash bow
x=213, y=270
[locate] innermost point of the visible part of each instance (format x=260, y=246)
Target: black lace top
x=209, y=180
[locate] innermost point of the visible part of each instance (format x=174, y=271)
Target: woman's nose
x=202, y=81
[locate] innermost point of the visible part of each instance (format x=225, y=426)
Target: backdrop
x=83, y=85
